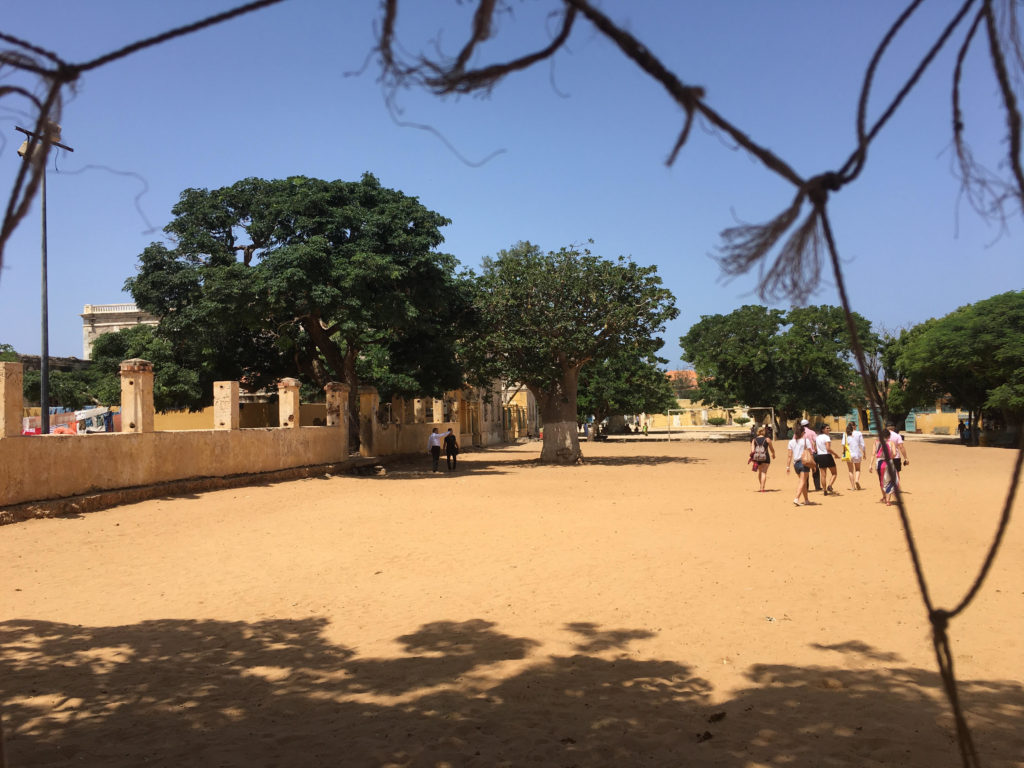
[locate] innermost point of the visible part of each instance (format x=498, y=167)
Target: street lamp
x=50, y=135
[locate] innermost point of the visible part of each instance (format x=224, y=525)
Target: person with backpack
x=762, y=451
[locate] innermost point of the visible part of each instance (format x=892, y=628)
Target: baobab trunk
x=561, y=435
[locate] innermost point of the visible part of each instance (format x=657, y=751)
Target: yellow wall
x=38, y=468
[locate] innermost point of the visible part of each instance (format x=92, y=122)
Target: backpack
x=760, y=454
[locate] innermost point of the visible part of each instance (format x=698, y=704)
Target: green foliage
x=70, y=389
x=741, y=420
x=174, y=386
x=301, y=277
x=974, y=354
x=7, y=354
x=794, y=361
x=627, y=382
x=717, y=421
x=543, y=316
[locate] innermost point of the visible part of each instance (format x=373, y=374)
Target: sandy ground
x=649, y=608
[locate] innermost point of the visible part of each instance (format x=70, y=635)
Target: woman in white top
x=825, y=456
x=853, y=453
x=793, y=461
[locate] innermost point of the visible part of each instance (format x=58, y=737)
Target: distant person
x=811, y=435
x=762, y=451
x=853, y=453
x=888, y=476
x=961, y=430
x=825, y=457
x=451, y=449
x=794, y=460
x=434, y=447
x=645, y=429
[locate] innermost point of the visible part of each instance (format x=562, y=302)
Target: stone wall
x=52, y=467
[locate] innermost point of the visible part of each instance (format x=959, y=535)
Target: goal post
x=675, y=419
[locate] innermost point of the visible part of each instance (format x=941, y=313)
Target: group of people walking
x=451, y=448
x=811, y=455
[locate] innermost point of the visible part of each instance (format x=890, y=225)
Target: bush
x=717, y=421
x=741, y=420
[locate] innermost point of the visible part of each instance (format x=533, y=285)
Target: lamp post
x=49, y=135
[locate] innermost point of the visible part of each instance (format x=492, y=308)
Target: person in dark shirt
x=451, y=449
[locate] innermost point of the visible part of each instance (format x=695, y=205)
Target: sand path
x=648, y=608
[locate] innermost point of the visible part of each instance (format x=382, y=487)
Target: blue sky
x=582, y=143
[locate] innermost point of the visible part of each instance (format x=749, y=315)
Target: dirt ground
x=648, y=608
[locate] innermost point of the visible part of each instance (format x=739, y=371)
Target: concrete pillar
x=225, y=405
x=288, y=403
x=398, y=409
x=409, y=414
x=419, y=411
x=11, y=398
x=438, y=412
x=337, y=404
x=369, y=402
x=137, y=395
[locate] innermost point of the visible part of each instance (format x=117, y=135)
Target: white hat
x=804, y=423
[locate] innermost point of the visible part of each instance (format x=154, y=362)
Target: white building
x=98, y=319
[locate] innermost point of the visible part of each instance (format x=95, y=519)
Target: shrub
x=716, y=421
x=741, y=420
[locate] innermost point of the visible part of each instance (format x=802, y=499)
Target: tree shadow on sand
x=480, y=463
x=278, y=693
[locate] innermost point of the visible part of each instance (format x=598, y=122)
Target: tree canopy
x=974, y=355
x=543, y=316
x=301, y=277
x=626, y=382
x=793, y=361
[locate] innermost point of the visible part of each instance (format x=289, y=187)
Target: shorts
x=799, y=467
x=825, y=461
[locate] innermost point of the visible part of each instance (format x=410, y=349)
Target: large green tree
x=174, y=386
x=793, y=361
x=974, y=355
x=305, y=277
x=626, y=382
x=543, y=316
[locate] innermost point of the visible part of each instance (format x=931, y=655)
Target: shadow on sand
x=488, y=462
x=278, y=693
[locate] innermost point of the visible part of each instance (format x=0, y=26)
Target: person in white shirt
x=853, y=453
x=811, y=435
x=434, y=447
x=825, y=457
x=796, y=447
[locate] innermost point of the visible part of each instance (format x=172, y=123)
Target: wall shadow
x=278, y=693
x=479, y=463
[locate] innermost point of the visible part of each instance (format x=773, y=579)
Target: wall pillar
x=11, y=378
x=288, y=403
x=137, y=395
x=337, y=414
x=419, y=411
x=225, y=405
x=438, y=416
x=337, y=404
x=369, y=403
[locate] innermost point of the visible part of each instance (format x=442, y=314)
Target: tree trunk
x=349, y=377
x=558, y=411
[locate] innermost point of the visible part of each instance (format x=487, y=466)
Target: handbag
x=807, y=458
